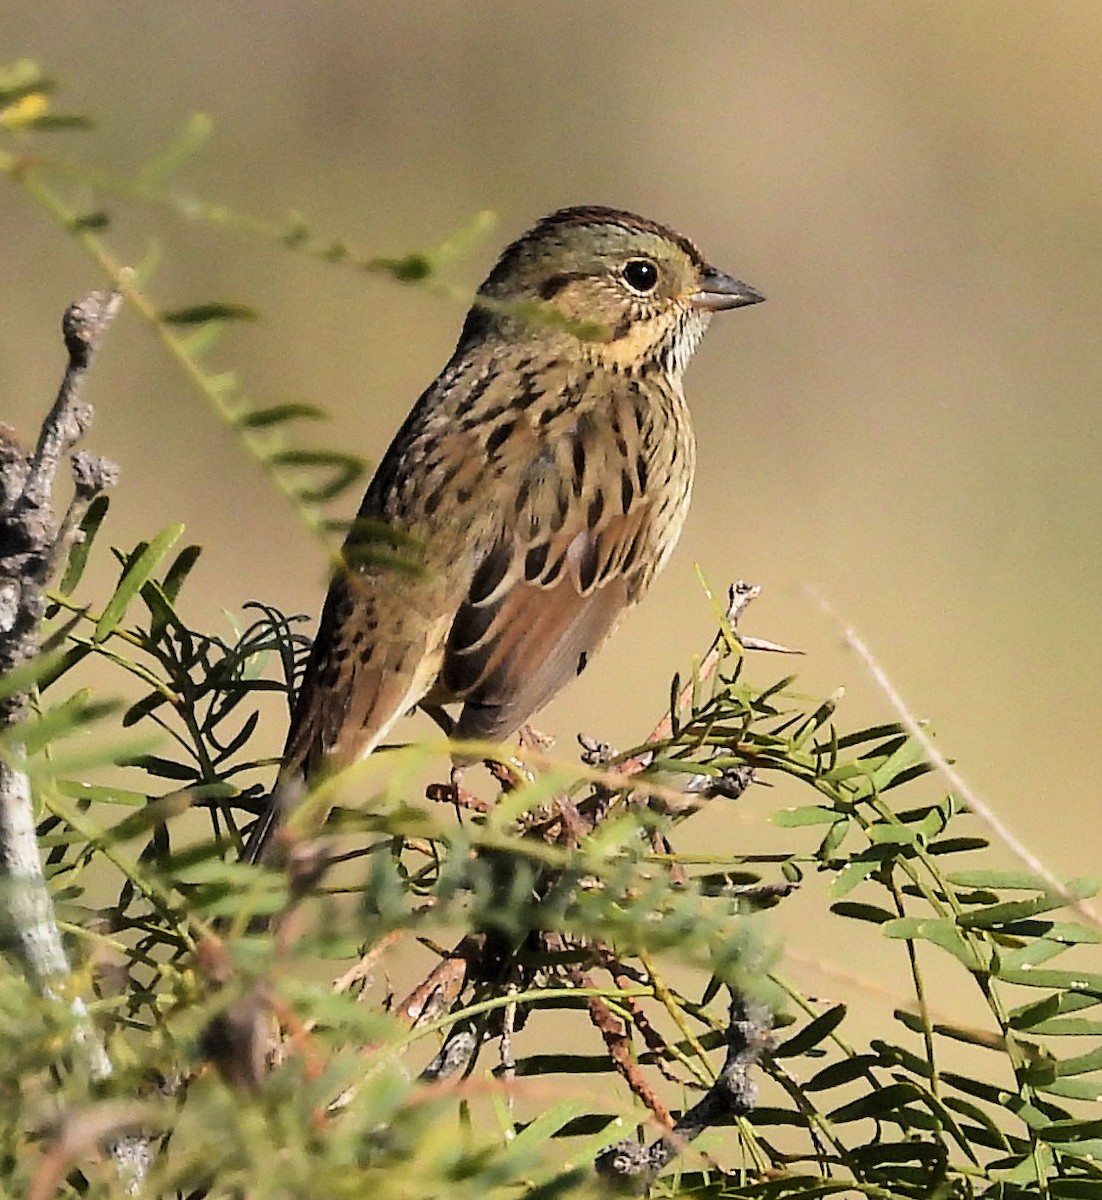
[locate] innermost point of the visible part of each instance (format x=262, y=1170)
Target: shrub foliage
x=255, y=1044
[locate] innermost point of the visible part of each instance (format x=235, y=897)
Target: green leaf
x=74, y=715
x=1076, y=1089
x=957, y=845
x=198, y=314
x=234, y=875
x=907, y=756
x=412, y=268
x=77, y=790
x=1081, y=1064
x=179, y=571
x=880, y=1103
x=1056, y=936
x=12, y=93
x=812, y=1034
x=53, y=666
x=344, y=468
x=847, y=1070
x=862, y=912
x=1030, y=955
x=1015, y=910
x=832, y=840
x=883, y=1160
x=1030, y=1015
x=90, y=222
x=154, y=813
x=201, y=339
x=33, y=673
x=164, y=768
x=761, y=700
x=997, y=880
x=817, y=719
x=136, y=574
x=1029, y=1169
x=874, y=733
x=851, y=875
x=1072, y=981
x=807, y=814
x=892, y=835
x=78, y=553
x=530, y=1139
x=278, y=414
x=979, y=1088
x=764, y=1115
x=941, y=933
x=1068, y=1027
x=1039, y=1070
x=981, y=1117
x=564, y=1064
x=1064, y=1002
x=1071, y=1131
x=892, y=1055
x=184, y=146
x=239, y=739
x=161, y=613
x=1084, y=1187
x=1071, y=934
x=57, y=122
x=142, y=708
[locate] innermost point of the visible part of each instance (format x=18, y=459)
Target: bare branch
x=632, y=1166
x=83, y=326
x=32, y=545
x=739, y=595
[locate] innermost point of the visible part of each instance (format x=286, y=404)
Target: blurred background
x=910, y=424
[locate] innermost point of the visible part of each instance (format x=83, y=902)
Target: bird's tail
x=285, y=795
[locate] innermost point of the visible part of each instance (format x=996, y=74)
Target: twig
x=30, y=538
x=361, y=971
x=613, y=1033
x=626, y=977
x=979, y=808
x=444, y=983
x=32, y=543
x=739, y=595
x=508, y=1059
x=631, y=1166
x=457, y=1051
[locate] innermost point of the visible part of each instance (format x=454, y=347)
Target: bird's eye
x=640, y=274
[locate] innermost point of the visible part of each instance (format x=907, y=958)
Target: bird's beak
x=718, y=291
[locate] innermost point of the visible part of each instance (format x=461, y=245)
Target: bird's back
x=537, y=500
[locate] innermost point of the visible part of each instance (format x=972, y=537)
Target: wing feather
x=510, y=650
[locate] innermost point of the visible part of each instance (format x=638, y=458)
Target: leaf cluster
x=887, y=1117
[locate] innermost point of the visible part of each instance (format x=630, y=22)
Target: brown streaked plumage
x=544, y=478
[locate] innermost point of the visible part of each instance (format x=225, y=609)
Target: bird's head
x=634, y=294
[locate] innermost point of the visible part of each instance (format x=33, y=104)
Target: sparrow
x=529, y=499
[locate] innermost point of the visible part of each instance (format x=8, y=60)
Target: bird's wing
x=566, y=564
x=375, y=656
x=357, y=684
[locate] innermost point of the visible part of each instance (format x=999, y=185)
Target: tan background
x=911, y=422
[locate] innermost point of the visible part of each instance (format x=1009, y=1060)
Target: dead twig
x=33, y=543
x=631, y=1166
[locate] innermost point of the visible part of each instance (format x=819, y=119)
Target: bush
x=222, y=1029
